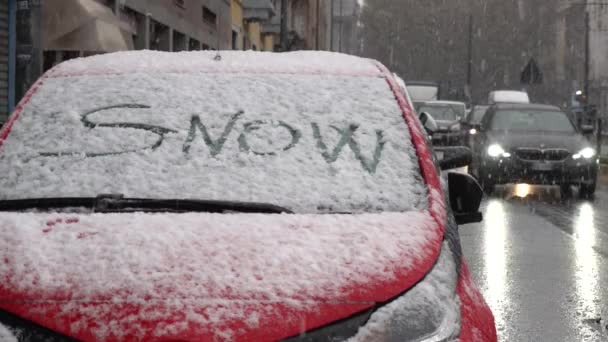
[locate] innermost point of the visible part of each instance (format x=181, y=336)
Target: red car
x=238, y=196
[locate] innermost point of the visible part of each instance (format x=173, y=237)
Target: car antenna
x=218, y=55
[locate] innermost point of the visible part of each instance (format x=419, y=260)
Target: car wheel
x=587, y=190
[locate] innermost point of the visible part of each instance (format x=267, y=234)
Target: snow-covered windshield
x=309, y=143
x=532, y=120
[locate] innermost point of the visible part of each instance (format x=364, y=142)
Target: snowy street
x=542, y=266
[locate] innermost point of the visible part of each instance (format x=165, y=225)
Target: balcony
x=258, y=10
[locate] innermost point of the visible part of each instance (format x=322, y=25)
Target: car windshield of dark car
x=442, y=111
x=477, y=114
x=312, y=144
x=531, y=120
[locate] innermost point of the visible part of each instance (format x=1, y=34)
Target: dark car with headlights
x=536, y=144
x=448, y=115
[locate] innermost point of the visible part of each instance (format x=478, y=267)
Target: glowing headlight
x=495, y=150
x=586, y=153
x=473, y=131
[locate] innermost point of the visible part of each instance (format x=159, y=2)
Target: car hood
x=543, y=140
x=201, y=276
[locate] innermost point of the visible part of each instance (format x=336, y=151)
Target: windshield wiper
x=119, y=203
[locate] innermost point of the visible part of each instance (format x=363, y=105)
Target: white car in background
x=508, y=96
x=448, y=116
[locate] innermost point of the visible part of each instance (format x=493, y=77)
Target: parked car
x=253, y=197
x=536, y=144
x=448, y=115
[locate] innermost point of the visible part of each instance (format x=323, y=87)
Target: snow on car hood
x=202, y=276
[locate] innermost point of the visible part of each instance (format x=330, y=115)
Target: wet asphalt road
x=542, y=265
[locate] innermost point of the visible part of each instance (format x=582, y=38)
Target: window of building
x=209, y=16
x=180, y=42
x=107, y=3
x=49, y=60
x=194, y=45
x=180, y=3
x=235, y=39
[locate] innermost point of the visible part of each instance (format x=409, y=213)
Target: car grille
x=536, y=154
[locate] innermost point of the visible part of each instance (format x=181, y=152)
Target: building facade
x=255, y=14
x=308, y=24
x=238, y=31
x=4, y=36
x=345, y=17
x=68, y=29
x=179, y=25
x=82, y=27
x=7, y=54
x=598, y=59
x=535, y=45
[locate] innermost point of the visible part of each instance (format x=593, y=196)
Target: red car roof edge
x=425, y=157
x=6, y=129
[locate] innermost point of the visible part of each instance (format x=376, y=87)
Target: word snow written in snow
x=198, y=129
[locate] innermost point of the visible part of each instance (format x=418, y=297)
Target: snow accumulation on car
x=252, y=197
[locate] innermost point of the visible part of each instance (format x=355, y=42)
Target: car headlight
x=473, y=131
x=428, y=312
x=586, y=153
x=496, y=150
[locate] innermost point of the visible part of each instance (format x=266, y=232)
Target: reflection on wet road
x=495, y=256
x=542, y=265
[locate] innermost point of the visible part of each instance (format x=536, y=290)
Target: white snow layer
x=7, y=335
x=310, y=143
x=204, y=266
x=300, y=62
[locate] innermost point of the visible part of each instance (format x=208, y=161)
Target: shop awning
x=84, y=25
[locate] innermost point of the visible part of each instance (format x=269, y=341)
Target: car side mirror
x=453, y=157
x=429, y=124
x=465, y=197
x=587, y=129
